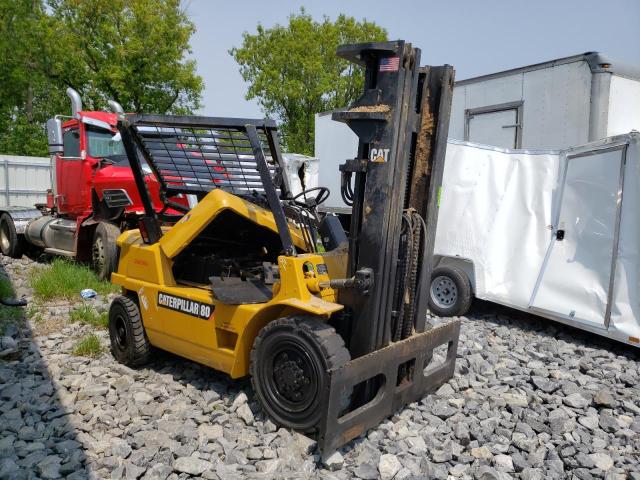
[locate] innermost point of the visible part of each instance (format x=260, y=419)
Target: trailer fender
x=21, y=216
x=464, y=264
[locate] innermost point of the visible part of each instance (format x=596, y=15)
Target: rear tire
x=450, y=292
x=129, y=342
x=289, y=363
x=11, y=244
x=104, y=251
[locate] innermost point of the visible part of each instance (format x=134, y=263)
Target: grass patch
x=88, y=346
x=8, y=315
x=87, y=315
x=64, y=279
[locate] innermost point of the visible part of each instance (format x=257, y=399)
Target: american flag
x=389, y=64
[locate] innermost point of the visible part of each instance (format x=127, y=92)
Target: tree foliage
x=135, y=52
x=294, y=72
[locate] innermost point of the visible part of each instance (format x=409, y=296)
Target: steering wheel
x=321, y=197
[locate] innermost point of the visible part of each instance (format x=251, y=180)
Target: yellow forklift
x=253, y=280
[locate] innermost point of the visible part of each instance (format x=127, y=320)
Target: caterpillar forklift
x=253, y=281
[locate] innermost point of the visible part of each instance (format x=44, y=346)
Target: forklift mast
x=401, y=121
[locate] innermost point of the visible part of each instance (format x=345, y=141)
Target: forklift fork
x=414, y=355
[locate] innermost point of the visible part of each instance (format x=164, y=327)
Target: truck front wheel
x=104, y=251
x=11, y=243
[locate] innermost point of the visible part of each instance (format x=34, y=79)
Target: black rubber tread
x=465, y=294
x=324, y=336
x=138, y=350
x=16, y=242
x=109, y=233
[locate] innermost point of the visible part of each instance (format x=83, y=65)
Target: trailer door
x=495, y=125
x=575, y=281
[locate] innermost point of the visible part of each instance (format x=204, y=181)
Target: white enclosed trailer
x=555, y=233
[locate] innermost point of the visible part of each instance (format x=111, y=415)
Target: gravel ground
x=530, y=399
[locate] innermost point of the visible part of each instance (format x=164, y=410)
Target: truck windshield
x=105, y=144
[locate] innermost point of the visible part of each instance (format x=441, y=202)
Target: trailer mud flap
x=415, y=354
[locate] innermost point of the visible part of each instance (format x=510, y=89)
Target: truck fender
x=21, y=216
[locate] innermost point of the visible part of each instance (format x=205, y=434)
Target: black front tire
x=450, y=293
x=104, y=251
x=11, y=244
x=129, y=342
x=289, y=363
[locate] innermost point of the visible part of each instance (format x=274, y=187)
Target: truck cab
x=93, y=196
x=92, y=173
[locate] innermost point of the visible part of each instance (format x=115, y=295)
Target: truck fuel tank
x=52, y=233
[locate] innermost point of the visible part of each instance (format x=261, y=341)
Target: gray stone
x=503, y=463
x=575, y=400
x=8, y=343
x=210, y=432
x=515, y=399
x=388, y=466
x=416, y=445
x=488, y=473
x=245, y=413
x=333, y=462
x=306, y=445
x=240, y=399
x=142, y=398
x=443, y=410
x=191, y=465
x=268, y=466
x=602, y=461
x=544, y=384
x=366, y=471
x=604, y=399
x=482, y=453
x=159, y=471
x=120, y=448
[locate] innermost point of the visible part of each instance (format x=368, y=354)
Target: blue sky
x=475, y=36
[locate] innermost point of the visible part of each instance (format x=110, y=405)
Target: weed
x=64, y=279
x=88, y=346
x=87, y=315
x=8, y=314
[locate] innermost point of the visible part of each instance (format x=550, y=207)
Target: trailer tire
x=11, y=244
x=104, y=251
x=289, y=363
x=129, y=342
x=450, y=293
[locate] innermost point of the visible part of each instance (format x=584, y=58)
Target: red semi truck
x=93, y=196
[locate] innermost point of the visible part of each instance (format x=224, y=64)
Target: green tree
x=26, y=95
x=135, y=52
x=294, y=72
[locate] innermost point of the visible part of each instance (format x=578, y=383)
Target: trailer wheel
x=450, y=292
x=104, y=251
x=11, y=244
x=129, y=342
x=289, y=363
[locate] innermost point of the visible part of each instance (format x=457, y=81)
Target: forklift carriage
x=251, y=281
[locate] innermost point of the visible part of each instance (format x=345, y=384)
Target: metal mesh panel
x=199, y=159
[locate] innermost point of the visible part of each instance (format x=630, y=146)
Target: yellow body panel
x=224, y=339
